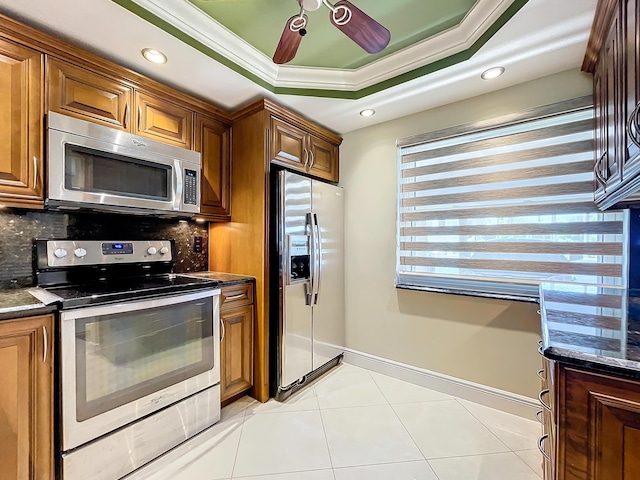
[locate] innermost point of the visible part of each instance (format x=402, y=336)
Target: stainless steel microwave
x=97, y=167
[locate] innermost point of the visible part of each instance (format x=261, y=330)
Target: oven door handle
x=177, y=184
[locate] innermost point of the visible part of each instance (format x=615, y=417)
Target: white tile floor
x=354, y=424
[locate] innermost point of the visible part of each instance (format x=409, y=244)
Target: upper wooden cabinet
x=294, y=147
x=613, y=56
x=21, y=126
x=79, y=93
x=162, y=120
x=26, y=398
x=212, y=140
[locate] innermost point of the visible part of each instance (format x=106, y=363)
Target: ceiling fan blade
x=360, y=27
x=290, y=39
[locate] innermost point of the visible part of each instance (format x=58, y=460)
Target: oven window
x=124, y=356
x=89, y=170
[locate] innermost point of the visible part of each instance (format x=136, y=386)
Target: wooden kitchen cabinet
x=26, y=398
x=236, y=352
x=21, y=126
x=613, y=58
x=213, y=141
x=162, y=120
x=82, y=94
x=593, y=426
x=93, y=97
x=299, y=150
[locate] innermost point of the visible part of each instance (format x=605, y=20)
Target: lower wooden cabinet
x=26, y=398
x=598, y=426
x=236, y=352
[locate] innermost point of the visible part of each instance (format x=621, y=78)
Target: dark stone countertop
x=16, y=303
x=592, y=327
x=225, y=279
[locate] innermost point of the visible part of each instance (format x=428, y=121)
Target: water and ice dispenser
x=299, y=258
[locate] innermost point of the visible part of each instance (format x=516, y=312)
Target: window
x=495, y=208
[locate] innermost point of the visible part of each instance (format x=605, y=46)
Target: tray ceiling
x=242, y=34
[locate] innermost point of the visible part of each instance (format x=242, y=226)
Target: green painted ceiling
x=260, y=23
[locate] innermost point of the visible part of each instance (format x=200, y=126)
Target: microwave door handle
x=177, y=184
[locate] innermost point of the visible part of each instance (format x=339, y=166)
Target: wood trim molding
x=601, y=23
x=289, y=116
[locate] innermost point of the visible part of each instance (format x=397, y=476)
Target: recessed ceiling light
x=494, y=72
x=369, y=112
x=154, y=56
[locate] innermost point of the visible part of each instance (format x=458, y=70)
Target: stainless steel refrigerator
x=309, y=331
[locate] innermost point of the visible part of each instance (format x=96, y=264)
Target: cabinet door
x=26, y=398
x=632, y=70
x=212, y=140
x=614, y=118
x=599, y=106
x=161, y=120
x=86, y=95
x=599, y=427
x=21, y=127
x=288, y=145
x=236, y=364
x=324, y=159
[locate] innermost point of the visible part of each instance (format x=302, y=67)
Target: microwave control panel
x=190, y=187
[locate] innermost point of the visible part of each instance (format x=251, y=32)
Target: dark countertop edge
x=23, y=311
x=596, y=363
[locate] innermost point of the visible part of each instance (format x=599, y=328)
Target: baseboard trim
x=491, y=397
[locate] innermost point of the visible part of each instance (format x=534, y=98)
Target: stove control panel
x=69, y=253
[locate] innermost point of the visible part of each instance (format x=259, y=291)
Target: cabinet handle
x=541, y=448
x=35, y=172
x=540, y=395
x=45, y=344
x=234, y=297
x=223, y=330
x=539, y=373
x=538, y=416
x=139, y=117
x=306, y=157
x=596, y=170
x=631, y=122
x=313, y=159
x=126, y=115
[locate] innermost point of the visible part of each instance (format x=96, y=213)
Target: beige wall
x=492, y=342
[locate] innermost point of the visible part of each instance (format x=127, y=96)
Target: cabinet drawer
x=237, y=295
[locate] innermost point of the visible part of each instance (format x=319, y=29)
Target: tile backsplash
x=19, y=228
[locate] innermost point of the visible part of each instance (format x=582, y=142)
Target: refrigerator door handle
x=317, y=253
x=309, y=288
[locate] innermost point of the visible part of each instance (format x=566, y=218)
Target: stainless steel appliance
x=139, y=352
x=308, y=321
x=97, y=167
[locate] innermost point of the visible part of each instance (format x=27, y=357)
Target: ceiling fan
x=348, y=18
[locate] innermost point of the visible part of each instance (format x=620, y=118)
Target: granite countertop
x=225, y=279
x=592, y=327
x=17, y=303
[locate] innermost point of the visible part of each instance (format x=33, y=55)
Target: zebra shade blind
x=495, y=208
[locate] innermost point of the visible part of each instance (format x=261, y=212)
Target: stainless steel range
x=139, y=352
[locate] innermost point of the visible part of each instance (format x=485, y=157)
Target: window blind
x=495, y=208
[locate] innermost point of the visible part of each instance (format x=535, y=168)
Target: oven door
x=123, y=361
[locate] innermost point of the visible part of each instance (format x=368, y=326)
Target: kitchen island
x=591, y=382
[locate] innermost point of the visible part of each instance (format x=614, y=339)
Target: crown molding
x=454, y=45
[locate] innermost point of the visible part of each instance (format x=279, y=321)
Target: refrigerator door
x=295, y=342
x=328, y=308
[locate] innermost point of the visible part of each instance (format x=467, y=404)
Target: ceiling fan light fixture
x=154, y=56
x=492, y=73
x=367, y=112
